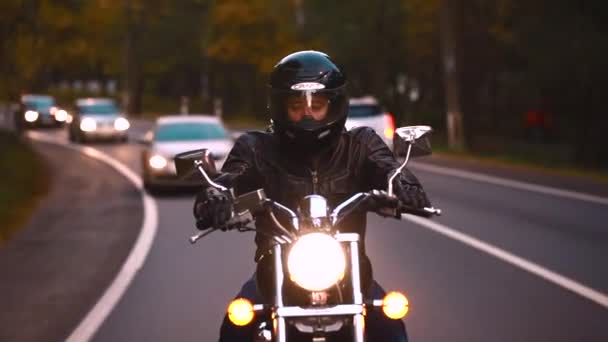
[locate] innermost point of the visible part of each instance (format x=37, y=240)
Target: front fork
x=278, y=322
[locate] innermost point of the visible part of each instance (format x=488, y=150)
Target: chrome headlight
x=157, y=162
x=31, y=116
x=88, y=125
x=121, y=124
x=316, y=261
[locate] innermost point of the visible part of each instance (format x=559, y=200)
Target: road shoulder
x=57, y=266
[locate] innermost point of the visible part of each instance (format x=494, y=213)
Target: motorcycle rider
x=307, y=150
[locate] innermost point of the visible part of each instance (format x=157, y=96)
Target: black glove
x=410, y=195
x=212, y=208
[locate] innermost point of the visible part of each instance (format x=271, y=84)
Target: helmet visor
x=308, y=109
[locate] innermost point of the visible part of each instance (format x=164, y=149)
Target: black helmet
x=308, y=75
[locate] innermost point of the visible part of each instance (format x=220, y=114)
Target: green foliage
x=251, y=33
x=23, y=182
x=513, y=55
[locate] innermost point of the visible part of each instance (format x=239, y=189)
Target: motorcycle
x=316, y=288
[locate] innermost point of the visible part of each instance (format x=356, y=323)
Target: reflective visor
x=307, y=105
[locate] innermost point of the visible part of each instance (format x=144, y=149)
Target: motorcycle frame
x=280, y=313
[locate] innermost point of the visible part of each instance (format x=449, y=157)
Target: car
x=173, y=134
x=38, y=111
x=365, y=111
x=97, y=119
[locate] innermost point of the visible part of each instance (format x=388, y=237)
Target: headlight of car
x=121, y=124
x=88, y=125
x=31, y=116
x=316, y=261
x=61, y=115
x=157, y=162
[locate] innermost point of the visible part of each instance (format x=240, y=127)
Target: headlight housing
x=316, y=261
x=121, y=124
x=88, y=125
x=157, y=162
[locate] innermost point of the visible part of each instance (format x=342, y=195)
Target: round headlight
x=157, y=162
x=88, y=125
x=121, y=124
x=31, y=116
x=316, y=261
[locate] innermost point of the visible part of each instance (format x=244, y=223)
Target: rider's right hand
x=212, y=208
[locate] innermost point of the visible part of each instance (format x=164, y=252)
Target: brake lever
x=433, y=211
x=390, y=206
x=194, y=238
x=424, y=212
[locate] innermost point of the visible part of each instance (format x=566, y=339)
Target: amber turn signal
x=240, y=312
x=395, y=305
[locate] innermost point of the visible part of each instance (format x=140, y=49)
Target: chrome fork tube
x=358, y=319
x=280, y=329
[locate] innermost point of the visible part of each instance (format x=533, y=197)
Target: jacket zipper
x=315, y=181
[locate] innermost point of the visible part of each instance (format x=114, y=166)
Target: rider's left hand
x=411, y=195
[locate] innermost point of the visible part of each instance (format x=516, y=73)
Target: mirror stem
x=398, y=171
x=199, y=166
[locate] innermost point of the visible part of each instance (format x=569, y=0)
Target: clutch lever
x=238, y=222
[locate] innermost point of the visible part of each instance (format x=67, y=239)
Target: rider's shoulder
x=362, y=134
x=255, y=138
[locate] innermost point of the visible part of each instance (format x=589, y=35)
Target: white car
x=97, y=118
x=174, y=134
x=365, y=111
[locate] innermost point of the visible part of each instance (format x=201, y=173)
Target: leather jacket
x=357, y=161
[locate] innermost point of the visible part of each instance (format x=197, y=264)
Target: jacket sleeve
x=239, y=170
x=379, y=161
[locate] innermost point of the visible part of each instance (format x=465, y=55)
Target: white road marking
x=555, y=278
x=87, y=328
x=510, y=183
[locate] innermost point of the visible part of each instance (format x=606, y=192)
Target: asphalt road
x=457, y=293
x=56, y=267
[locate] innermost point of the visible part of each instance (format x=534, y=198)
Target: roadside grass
x=22, y=184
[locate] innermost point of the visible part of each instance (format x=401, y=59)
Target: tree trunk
x=454, y=115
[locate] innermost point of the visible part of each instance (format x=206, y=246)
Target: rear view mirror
x=416, y=136
x=187, y=163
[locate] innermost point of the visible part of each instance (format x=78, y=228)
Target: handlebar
x=248, y=205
